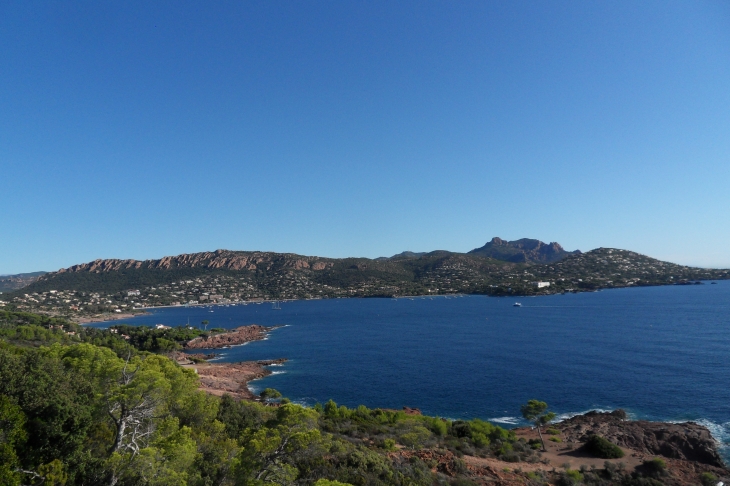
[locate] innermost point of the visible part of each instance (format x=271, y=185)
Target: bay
x=661, y=353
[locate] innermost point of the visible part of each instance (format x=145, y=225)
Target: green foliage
x=655, y=468
x=237, y=416
x=601, y=447
x=537, y=412
x=552, y=431
x=158, y=340
x=270, y=453
x=570, y=477
x=708, y=479
x=415, y=437
x=556, y=439
x=327, y=482
x=12, y=435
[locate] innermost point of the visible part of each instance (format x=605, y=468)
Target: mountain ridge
x=221, y=276
x=9, y=283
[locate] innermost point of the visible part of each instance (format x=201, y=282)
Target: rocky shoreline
x=688, y=441
x=688, y=451
x=227, y=378
x=240, y=335
x=232, y=378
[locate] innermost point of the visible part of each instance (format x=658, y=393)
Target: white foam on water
x=278, y=372
x=721, y=432
x=505, y=420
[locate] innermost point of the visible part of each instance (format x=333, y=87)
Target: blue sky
x=144, y=129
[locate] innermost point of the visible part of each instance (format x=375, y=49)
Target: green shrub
x=389, y=444
x=601, y=447
x=570, y=477
x=415, y=437
x=510, y=457
x=708, y=479
x=269, y=394
x=327, y=482
x=655, y=467
x=552, y=431
x=555, y=439
x=438, y=426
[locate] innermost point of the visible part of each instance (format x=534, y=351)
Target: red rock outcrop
x=219, y=259
x=241, y=335
x=689, y=441
x=232, y=378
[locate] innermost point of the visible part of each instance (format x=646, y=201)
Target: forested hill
x=226, y=276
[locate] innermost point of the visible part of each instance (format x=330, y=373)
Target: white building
x=540, y=285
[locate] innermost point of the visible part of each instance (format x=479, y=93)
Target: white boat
x=517, y=304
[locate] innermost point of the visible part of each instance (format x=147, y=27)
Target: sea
x=660, y=353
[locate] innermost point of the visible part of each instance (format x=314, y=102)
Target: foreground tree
x=537, y=412
x=270, y=453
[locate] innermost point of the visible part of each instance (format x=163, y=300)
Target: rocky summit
x=523, y=251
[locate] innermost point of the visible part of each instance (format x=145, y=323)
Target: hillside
x=119, y=286
x=8, y=283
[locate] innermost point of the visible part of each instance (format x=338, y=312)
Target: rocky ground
x=687, y=449
x=232, y=378
x=240, y=335
x=688, y=441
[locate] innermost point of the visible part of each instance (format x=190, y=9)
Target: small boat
x=516, y=304
x=276, y=306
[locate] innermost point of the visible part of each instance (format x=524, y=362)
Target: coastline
x=99, y=318
x=104, y=318
x=231, y=378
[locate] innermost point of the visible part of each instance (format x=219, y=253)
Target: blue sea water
x=661, y=353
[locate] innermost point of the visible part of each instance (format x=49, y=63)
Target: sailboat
x=275, y=305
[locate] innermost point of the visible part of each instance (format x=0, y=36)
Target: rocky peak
x=525, y=250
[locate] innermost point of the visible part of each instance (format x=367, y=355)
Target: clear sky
x=362, y=128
